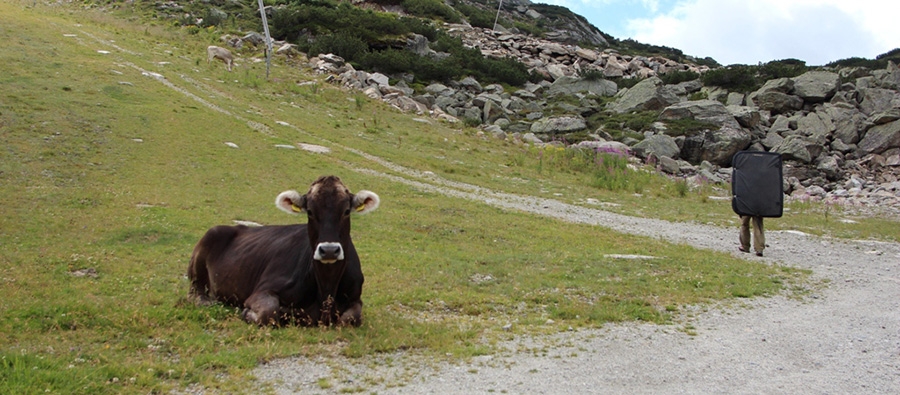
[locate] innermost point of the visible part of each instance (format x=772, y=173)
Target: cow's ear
x=291, y=202
x=365, y=202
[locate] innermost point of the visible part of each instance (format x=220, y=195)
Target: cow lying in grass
x=307, y=274
x=214, y=52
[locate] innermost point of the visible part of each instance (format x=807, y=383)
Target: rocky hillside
x=838, y=129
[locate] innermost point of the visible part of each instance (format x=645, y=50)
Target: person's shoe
x=759, y=253
x=742, y=249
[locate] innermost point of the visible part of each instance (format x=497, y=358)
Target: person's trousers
x=759, y=237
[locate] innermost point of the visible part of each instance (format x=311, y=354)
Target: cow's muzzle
x=329, y=252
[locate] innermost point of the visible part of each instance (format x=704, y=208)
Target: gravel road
x=845, y=338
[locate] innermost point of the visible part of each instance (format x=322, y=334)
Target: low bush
x=431, y=9
x=677, y=77
x=787, y=68
x=736, y=78
x=349, y=47
x=478, y=17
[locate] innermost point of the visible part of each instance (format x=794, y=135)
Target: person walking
x=759, y=235
x=757, y=188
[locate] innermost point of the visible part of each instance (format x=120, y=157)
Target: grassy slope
x=105, y=168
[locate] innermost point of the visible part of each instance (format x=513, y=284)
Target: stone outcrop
x=839, y=141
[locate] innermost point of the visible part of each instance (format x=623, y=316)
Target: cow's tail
x=199, y=276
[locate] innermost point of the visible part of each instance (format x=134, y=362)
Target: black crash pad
x=756, y=184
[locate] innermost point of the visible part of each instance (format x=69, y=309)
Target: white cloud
x=739, y=31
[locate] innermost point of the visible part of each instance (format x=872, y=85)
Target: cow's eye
x=347, y=212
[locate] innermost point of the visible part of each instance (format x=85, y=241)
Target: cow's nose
x=329, y=252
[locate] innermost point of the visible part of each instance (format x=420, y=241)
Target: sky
x=751, y=31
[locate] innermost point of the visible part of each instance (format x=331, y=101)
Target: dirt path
x=843, y=339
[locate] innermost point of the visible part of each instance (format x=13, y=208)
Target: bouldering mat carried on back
x=756, y=184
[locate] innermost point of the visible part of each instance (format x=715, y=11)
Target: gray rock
x=777, y=102
x=657, y=144
x=880, y=138
x=614, y=69
x=614, y=147
x=418, y=44
x=471, y=85
x=669, y=165
x=884, y=117
x=715, y=146
x=747, y=117
x=702, y=110
x=830, y=166
x=572, y=85
x=557, y=71
x=689, y=87
x=796, y=147
x=771, y=140
x=378, y=79
x=846, y=120
x=816, y=86
x=817, y=128
x=876, y=100
x=735, y=99
x=649, y=94
x=472, y=113
x=438, y=90
x=253, y=38
x=531, y=138
x=557, y=125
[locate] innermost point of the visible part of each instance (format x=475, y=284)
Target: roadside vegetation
x=114, y=162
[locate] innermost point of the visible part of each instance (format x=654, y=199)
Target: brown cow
x=214, y=52
x=307, y=273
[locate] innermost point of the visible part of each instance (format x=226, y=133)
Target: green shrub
x=592, y=75
x=529, y=29
x=389, y=61
x=213, y=17
x=290, y=22
x=344, y=45
x=787, y=68
x=736, y=78
x=687, y=127
x=677, y=77
x=435, y=9
x=478, y=17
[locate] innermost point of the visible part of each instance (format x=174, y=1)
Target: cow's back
x=240, y=260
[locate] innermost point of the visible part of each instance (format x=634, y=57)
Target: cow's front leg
x=352, y=316
x=262, y=308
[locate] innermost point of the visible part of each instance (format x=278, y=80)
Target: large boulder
x=717, y=146
x=780, y=85
x=880, y=138
x=778, y=102
x=816, y=86
x=649, y=94
x=846, y=120
x=876, y=100
x=748, y=117
x=558, y=125
x=572, y=85
x=817, y=128
x=710, y=111
x=660, y=145
x=799, y=148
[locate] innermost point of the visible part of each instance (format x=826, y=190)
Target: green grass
x=107, y=169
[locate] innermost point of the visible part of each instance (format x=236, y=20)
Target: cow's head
x=328, y=205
